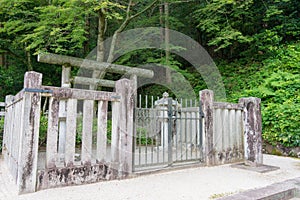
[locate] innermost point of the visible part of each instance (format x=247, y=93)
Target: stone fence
x=221, y=132
x=232, y=131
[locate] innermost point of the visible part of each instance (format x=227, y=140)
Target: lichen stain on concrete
x=229, y=155
x=76, y=175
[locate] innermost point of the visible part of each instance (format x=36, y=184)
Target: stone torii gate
x=67, y=62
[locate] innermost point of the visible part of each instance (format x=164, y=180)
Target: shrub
x=280, y=94
x=276, y=80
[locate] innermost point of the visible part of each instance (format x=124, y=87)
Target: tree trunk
x=100, y=47
x=162, y=35
x=101, y=31
x=86, y=48
x=2, y=60
x=100, y=40
x=29, y=63
x=167, y=43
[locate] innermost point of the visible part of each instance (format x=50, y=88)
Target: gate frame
x=166, y=108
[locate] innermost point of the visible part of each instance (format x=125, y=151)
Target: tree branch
x=128, y=9
x=124, y=25
x=144, y=10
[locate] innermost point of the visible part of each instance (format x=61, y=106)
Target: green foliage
x=55, y=26
x=108, y=6
x=142, y=138
x=17, y=18
x=281, y=100
x=248, y=27
x=281, y=123
x=277, y=83
x=43, y=130
x=11, y=81
x=60, y=27
x=78, y=139
x=109, y=130
x=221, y=21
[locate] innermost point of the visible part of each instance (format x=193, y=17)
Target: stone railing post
x=65, y=83
x=252, y=126
x=124, y=140
x=207, y=99
x=28, y=152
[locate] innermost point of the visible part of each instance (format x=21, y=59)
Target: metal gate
x=167, y=133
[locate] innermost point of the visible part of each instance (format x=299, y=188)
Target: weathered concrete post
x=65, y=83
x=207, y=99
x=125, y=88
x=252, y=131
x=65, y=76
x=28, y=151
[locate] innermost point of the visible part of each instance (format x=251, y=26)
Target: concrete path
x=188, y=184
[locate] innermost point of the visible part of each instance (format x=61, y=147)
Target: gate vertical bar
x=139, y=133
x=191, y=128
x=170, y=124
x=146, y=135
x=201, y=116
x=151, y=118
x=133, y=79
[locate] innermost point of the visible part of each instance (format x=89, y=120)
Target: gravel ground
x=188, y=184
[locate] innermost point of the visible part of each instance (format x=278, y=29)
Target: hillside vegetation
x=276, y=80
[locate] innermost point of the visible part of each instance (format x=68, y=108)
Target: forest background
x=254, y=43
